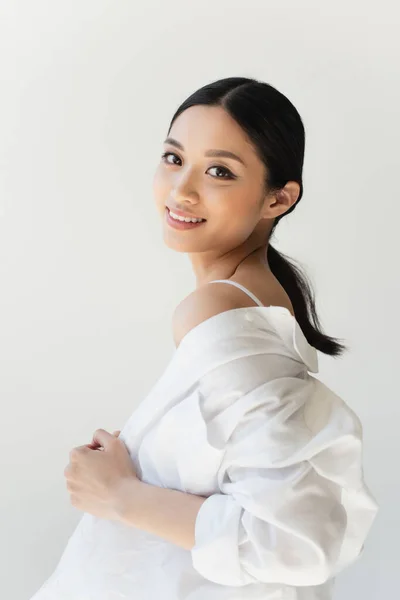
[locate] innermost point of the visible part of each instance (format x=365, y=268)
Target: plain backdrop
x=87, y=286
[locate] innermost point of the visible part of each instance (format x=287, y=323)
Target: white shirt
x=237, y=417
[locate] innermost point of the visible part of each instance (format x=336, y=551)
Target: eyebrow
x=213, y=153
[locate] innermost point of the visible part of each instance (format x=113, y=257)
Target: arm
x=170, y=514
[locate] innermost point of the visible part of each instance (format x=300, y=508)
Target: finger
x=92, y=446
x=102, y=438
x=117, y=432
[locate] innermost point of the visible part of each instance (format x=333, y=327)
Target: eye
x=164, y=157
x=228, y=173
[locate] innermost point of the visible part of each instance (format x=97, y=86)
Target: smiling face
x=226, y=191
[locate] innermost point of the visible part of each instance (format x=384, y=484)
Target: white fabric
x=241, y=287
x=237, y=417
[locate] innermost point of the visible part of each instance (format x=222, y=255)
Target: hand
x=95, y=478
x=95, y=446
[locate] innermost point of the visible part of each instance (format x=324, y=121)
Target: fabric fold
x=292, y=506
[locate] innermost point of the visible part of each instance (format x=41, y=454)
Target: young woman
x=240, y=475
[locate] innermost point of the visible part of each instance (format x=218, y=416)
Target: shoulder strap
x=239, y=285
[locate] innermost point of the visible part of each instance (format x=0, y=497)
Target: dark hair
x=275, y=127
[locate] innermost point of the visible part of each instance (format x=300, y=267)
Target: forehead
x=206, y=127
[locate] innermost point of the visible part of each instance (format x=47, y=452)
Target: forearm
x=170, y=514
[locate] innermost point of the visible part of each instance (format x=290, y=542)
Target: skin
x=230, y=245
x=240, y=212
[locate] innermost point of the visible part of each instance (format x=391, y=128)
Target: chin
x=184, y=245
x=178, y=247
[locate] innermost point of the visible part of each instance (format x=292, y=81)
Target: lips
x=181, y=225
x=180, y=213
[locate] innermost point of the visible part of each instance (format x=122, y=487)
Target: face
x=226, y=191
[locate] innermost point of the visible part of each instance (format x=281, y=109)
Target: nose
x=184, y=192
x=180, y=199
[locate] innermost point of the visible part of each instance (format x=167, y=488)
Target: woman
x=240, y=474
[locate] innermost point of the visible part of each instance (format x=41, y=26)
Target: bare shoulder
x=205, y=302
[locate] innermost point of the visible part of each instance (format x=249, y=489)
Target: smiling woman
x=247, y=476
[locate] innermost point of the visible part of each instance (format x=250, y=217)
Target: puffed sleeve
x=292, y=506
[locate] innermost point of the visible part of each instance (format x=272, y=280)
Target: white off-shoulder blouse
x=238, y=417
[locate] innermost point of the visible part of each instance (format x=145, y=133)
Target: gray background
x=87, y=285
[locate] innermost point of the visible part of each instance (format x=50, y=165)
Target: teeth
x=185, y=219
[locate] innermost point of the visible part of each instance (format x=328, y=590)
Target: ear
x=280, y=202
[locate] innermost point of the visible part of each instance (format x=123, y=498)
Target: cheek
x=232, y=213
x=235, y=224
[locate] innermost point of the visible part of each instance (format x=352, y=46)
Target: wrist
x=128, y=500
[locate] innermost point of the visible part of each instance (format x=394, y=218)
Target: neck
x=226, y=266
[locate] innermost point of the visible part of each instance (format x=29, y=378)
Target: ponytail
x=299, y=290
